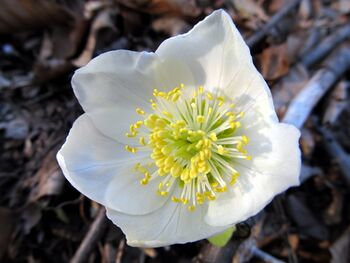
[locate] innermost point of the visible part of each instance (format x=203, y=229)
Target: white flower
x=204, y=148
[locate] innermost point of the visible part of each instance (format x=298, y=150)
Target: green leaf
x=223, y=238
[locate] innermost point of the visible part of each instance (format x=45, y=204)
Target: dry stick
x=259, y=35
x=337, y=152
x=309, y=59
x=212, y=254
x=91, y=238
x=257, y=252
x=325, y=47
x=302, y=105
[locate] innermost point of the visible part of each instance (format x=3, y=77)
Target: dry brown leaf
x=171, y=26
x=307, y=142
x=336, y=103
x=276, y=5
x=49, y=177
x=20, y=15
x=274, y=62
x=293, y=240
x=162, y=7
x=65, y=23
x=333, y=214
x=102, y=21
x=249, y=9
x=288, y=87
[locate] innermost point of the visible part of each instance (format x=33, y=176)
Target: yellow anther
x=160, y=123
x=238, y=124
x=142, y=141
x=221, y=189
x=144, y=181
x=138, y=124
x=175, y=170
x=182, y=85
x=221, y=100
x=214, y=184
x=154, y=106
x=162, y=94
x=245, y=139
x=161, y=172
x=167, y=114
x=200, y=119
x=209, y=96
x=234, y=178
x=185, y=174
x=213, y=137
x=211, y=197
x=241, y=114
x=199, y=144
x=139, y=111
x=202, y=155
x=191, y=208
x=193, y=172
x=130, y=149
x=221, y=150
x=175, y=97
x=248, y=157
x=201, y=89
x=181, y=124
x=166, y=150
x=131, y=135
x=175, y=199
x=169, y=161
x=163, y=193
x=184, y=201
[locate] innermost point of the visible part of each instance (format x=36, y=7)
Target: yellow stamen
x=139, y=111
x=187, y=137
x=200, y=119
x=130, y=149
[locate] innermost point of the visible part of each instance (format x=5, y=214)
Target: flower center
x=194, y=144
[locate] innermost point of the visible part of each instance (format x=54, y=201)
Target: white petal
x=173, y=223
x=274, y=168
x=112, y=85
x=218, y=57
x=102, y=170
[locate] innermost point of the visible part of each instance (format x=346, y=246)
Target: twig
x=257, y=252
x=336, y=151
x=120, y=251
x=91, y=238
x=308, y=60
x=327, y=45
x=212, y=254
x=259, y=35
x=302, y=105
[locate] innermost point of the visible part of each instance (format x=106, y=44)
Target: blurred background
x=300, y=46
